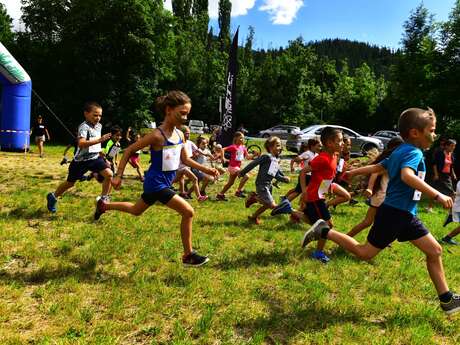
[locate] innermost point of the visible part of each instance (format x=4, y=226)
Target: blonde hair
x=414, y=118
x=270, y=142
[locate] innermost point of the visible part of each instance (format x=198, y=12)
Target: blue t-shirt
x=399, y=195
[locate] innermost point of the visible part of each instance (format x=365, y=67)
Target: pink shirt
x=447, y=163
x=237, y=154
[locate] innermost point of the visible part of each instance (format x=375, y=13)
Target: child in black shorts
x=396, y=217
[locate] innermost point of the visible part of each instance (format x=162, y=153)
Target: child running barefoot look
x=268, y=170
x=396, y=217
x=87, y=156
x=238, y=153
x=167, y=150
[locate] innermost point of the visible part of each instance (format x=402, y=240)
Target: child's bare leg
x=433, y=251
x=107, y=183
x=363, y=251
x=194, y=180
x=243, y=181
x=63, y=187
x=135, y=209
x=205, y=183
x=186, y=211
x=368, y=221
x=230, y=182
x=342, y=196
x=292, y=194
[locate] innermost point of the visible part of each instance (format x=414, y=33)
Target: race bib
x=324, y=188
x=274, y=167
x=114, y=150
x=239, y=155
x=340, y=165
x=171, y=157
x=96, y=148
x=417, y=193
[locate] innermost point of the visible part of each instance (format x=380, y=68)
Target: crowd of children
x=395, y=185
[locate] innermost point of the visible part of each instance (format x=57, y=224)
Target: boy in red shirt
x=323, y=169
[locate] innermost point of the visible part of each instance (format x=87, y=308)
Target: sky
x=276, y=22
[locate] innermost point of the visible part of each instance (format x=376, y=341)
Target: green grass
x=65, y=279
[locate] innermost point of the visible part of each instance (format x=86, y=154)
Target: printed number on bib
x=96, y=148
x=274, y=167
x=417, y=193
x=324, y=188
x=340, y=165
x=114, y=150
x=171, y=157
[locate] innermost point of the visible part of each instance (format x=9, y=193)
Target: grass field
x=65, y=279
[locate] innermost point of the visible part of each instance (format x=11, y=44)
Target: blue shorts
x=317, y=210
x=78, y=169
x=392, y=224
x=162, y=196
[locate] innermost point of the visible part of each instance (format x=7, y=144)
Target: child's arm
x=252, y=165
x=67, y=148
x=281, y=177
x=47, y=134
x=435, y=172
x=370, y=184
x=303, y=173
x=82, y=142
x=408, y=177
x=370, y=169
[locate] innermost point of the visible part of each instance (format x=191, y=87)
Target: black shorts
x=317, y=210
x=78, y=169
x=298, y=188
x=162, y=196
x=393, y=224
x=198, y=174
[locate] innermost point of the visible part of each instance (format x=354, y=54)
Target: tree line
x=124, y=53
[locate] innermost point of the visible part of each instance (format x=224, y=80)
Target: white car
x=281, y=131
x=196, y=126
x=360, y=144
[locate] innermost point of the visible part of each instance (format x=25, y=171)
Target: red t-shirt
x=447, y=163
x=323, y=168
x=237, y=154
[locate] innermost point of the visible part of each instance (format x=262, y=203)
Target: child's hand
x=287, y=179
x=106, y=137
x=367, y=193
x=444, y=200
x=116, y=182
x=214, y=172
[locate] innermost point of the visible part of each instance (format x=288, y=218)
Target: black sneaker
x=314, y=233
x=240, y=194
x=51, y=202
x=452, y=306
x=353, y=202
x=101, y=207
x=194, y=260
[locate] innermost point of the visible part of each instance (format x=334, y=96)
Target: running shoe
x=283, y=208
x=452, y=306
x=51, y=202
x=314, y=233
x=320, y=256
x=194, y=260
x=101, y=207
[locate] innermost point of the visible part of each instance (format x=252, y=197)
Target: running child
x=396, y=217
x=113, y=147
x=238, y=153
x=312, y=148
x=323, y=169
x=269, y=169
x=453, y=216
x=202, y=155
x=376, y=188
x=217, y=160
x=166, y=150
x=87, y=157
x=184, y=171
x=134, y=159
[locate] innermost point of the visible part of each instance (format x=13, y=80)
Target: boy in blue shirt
x=396, y=218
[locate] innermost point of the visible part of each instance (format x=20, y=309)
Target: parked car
x=360, y=144
x=385, y=136
x=281, y=131
x=196, y=126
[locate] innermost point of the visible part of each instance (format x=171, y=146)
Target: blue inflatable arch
x=15, y=106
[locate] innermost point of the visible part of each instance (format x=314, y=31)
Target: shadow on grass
x=259, y=258
x=281, y=325
x=25, y=213
x=83, y=272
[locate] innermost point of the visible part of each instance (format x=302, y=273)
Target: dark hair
x=391, y=146
x=270, y=142
x=237, y=135
x=116, y=129
x=172, y=99
x=312, y=142
x=329, y=133
x=414, y=118
x=88, y=106
x=199, y=140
